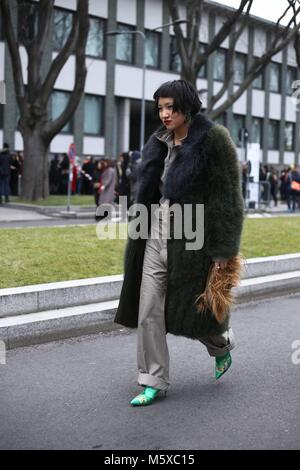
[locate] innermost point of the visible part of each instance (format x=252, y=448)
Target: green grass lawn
x=57, y=200
x=39, y=255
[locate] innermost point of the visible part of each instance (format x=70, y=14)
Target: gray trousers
x=152, y=349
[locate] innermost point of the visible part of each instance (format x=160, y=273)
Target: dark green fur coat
x=205, y=171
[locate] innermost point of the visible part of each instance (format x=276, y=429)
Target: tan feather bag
x=218, y=296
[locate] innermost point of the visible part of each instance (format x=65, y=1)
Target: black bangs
x=185, y=96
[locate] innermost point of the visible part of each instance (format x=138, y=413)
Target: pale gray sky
x=269, y=9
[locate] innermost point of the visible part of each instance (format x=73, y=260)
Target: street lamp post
x=144, y=37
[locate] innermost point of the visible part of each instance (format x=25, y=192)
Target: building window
x=240, y=65
x=62, y=26
x=221, y=119
x=27, y=21
x=60, y=100
x=220, y=65
x=275, y=70
x=256, y=131
x=175, y=61
x=289, y=136
x=273, y=135
x=125, y=44
x=95, y=40
x=203, y=70
x=93, y=115
x=1, y=28
x=238, y=122
x=258, y=82
x=152, y=58
x=291, y=76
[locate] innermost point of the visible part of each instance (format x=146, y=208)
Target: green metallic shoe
x=146, y=397
x=222, y=364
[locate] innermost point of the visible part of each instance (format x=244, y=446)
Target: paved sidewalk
x=75, y=394
x=8, y=214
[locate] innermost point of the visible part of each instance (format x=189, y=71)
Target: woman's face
x=171, y=119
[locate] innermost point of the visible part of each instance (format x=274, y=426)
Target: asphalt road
x=75, y=394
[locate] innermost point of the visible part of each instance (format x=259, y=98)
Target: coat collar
x=189, y=163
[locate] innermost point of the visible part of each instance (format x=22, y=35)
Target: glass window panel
x=95, y=40
x=61, y=28
x=258, y=82
x=291, y=76
x=221, y=119
x=203, y=70
x=275, y=77
x=240, y=68
x=27, y=21
x=273, y=135
x=289, y=136
x=220, y=65
x=238, y=122
x=257, y=125
x=93, y=115
x=60, y=100
x=125, y=44
x=175, y=61
x=152, y=49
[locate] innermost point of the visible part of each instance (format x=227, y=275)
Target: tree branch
x=83, y=27
x=14, y=54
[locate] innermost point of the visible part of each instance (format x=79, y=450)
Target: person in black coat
x=5, y=170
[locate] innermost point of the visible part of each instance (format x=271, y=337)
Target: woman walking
x=188, y=160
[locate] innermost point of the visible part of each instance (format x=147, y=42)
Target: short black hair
x=186, y=99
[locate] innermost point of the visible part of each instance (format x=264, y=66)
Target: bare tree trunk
x=35, y=180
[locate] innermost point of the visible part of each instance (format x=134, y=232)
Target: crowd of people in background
x=274, y=185
x=108, y=179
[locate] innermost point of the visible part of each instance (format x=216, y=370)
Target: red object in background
x=74, y=180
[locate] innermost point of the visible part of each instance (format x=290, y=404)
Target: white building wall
x=68, y=4
x=291, y=56
x=273, y=156
x=219, y=23
x=24, y=63
x=259, y=42
x=126, y=11
x=95, y=82
x=289, y=158
x=153, y=13
x=66, y=78
x=19, y=146
x=203, y=85
x=93, y=145
x=98, y=8
x=217, y=86
x=290, y=110
x=275, y=106
x=258, y=103
x=61, y=143
x=2, y=60
x=132, y=86
x=1, y=138
x=242, y=44
x=203, y=33
x=240, y=106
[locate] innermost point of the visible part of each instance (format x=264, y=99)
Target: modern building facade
x=107, y=120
